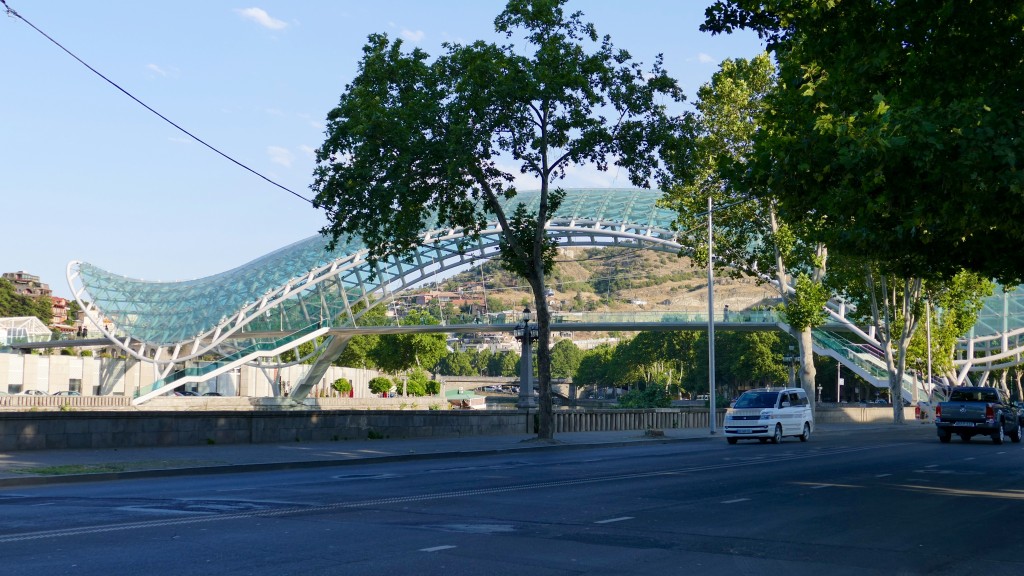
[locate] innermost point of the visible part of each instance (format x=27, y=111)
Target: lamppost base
x=528, y=403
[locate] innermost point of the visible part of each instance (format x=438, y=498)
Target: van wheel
x=778, y=434
x=807, y=432
x=730, y=440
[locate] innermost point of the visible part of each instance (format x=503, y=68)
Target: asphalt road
x=853, y=502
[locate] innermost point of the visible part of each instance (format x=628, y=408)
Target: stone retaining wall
x=58, y=430
x=123, y=429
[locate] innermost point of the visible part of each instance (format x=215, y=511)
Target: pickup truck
x=975, y=411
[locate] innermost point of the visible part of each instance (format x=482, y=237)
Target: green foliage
x=722, y=128
x=595, y=367
x=342, y=386
x=73, y=310
x=13, y=304
x=897, y=129
x=381, y=385
x=565, y=359
x=806, y=307
x=413, y=140
x=457, y=364
x=416, y=383
x=399, y=352
x=649, y=397
x=955, y=307
x=503, y=363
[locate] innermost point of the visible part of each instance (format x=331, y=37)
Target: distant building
x=60, y=310
x=28, y=284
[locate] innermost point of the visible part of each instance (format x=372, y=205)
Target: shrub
x=652, y=397
x=381, y=385
x=342, y=386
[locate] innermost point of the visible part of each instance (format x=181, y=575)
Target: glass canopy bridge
x=302, y=292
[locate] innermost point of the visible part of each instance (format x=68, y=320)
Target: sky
x=88, y=174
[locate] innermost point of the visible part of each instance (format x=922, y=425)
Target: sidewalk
x=36, y=467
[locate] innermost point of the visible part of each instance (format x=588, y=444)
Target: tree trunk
x=545, y=428
x=807, y=370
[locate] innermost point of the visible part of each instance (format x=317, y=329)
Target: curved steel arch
x=304, y=285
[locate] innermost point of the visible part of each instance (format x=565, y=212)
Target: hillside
x=618, y=279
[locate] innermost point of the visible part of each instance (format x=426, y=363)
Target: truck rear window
x=973, y=396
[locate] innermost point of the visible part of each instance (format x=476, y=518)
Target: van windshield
x=757, y=400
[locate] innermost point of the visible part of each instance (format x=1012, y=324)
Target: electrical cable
x=12, y=12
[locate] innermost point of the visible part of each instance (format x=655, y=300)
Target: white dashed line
x=436, y=548
x=820, y=486
x=882, y=475
x=735, y=501
x=610, y=520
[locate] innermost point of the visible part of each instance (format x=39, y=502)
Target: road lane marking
x=428, y=497
x=882, y=475
x=735, y=501
x=436, y=548
x=610, y=520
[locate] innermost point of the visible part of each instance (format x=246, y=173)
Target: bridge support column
x=319, y=368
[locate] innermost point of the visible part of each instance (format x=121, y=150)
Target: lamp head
x=526, y=314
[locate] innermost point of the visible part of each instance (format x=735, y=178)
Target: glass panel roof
x=1001, y=313
x=174, y=312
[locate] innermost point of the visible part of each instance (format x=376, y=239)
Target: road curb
x=36, y=480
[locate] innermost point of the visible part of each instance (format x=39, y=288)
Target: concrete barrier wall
x=96, y=429
x=49, y=430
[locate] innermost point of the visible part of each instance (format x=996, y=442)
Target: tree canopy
x=897, y=128
x=414, y=141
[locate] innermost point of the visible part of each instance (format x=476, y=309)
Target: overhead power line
x=12, y=12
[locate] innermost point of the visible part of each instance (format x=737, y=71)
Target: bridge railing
x=639, y=419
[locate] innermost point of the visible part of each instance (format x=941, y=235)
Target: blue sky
x=88, y=174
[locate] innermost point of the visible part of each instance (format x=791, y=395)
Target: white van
x=770, y=414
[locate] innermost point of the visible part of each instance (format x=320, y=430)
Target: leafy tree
x=504, y=363
x=357, y=352
x=457, y=364
x=342, y=386
x=398, y=352
x=895, y=306
x=413, y=141
x=896, y=129
x=565, y=359
x=649, y=397
x=381, y=385
x=594, y=367
x=480, y=359
x=749, y=236
x=416, y=383
x=955, y=306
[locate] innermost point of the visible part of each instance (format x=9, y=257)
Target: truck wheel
x=730, y=440
x=777, y=437
x=999, y=434
x=944, y=437
x=807, y=433
x=1016, y=434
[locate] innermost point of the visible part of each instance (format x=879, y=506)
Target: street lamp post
x=526, y=333
x=712, y=409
